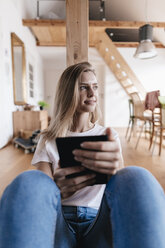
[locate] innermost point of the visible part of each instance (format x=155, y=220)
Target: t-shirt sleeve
x=41, y=154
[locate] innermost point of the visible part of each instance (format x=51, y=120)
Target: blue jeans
x=131, y=215
x=79, y=219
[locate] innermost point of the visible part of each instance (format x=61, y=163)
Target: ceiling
x=119, y=10
x=124, y=10
x=116, y=10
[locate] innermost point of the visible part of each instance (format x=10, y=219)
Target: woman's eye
x=82, y=87
x=95, y=87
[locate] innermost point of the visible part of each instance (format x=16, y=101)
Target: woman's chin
x=89, y=108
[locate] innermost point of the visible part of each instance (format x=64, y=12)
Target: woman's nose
x=90, y=92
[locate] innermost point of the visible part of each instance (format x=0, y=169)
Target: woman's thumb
x=110, y=134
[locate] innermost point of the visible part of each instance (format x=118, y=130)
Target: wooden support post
x=77, y=17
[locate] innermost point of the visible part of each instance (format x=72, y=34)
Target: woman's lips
x=90, y=102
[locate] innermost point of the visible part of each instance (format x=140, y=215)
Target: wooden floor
x=143, y=157
x=13, y=161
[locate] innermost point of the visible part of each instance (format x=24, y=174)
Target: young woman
x=46, y=209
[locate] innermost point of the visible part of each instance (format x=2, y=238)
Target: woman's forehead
x=88, y=76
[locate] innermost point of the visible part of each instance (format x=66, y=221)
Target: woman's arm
x=45, y=167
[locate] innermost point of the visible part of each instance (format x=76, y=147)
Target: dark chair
x=131, y=119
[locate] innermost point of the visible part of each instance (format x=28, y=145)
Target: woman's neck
x=82, y=123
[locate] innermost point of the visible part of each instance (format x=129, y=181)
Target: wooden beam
x=49, y=36
x=60, y=40
x=58, y=35
x=124, y=24
x=43, y=22
x=95, y=23
x=76, y=31
x=52, y=44
x=57, y=29
x=135, y=44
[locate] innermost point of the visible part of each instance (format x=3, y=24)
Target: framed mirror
x=19, y=70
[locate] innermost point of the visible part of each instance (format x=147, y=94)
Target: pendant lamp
x=146, y=48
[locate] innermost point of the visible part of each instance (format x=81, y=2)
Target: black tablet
x=66, y=145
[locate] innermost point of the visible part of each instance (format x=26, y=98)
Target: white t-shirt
x=89, y=196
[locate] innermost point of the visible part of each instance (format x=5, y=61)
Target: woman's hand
x=105, y=158
x=68, y=186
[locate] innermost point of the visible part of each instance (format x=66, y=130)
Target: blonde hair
x=66, y=102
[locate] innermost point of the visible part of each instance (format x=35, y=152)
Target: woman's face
x=88, y=90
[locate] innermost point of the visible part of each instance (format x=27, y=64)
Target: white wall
x=51, y=78
x=11, y=21
x=116, y=102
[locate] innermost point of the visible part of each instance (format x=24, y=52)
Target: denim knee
x=32, y=184
x=133, y=178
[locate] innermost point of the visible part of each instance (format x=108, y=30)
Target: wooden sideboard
x=29, y=121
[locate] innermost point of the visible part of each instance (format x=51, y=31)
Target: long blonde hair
x=66, y=102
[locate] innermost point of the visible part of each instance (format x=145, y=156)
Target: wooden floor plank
x=13, y=161
x=143, y=157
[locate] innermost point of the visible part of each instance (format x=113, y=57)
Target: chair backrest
x=131, y=108
x=151, y=100
x=139, y=109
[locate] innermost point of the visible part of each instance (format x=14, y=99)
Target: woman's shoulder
x=99, y=129
x=45, y=143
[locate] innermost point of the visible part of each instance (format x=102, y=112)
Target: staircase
x=119, y=66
